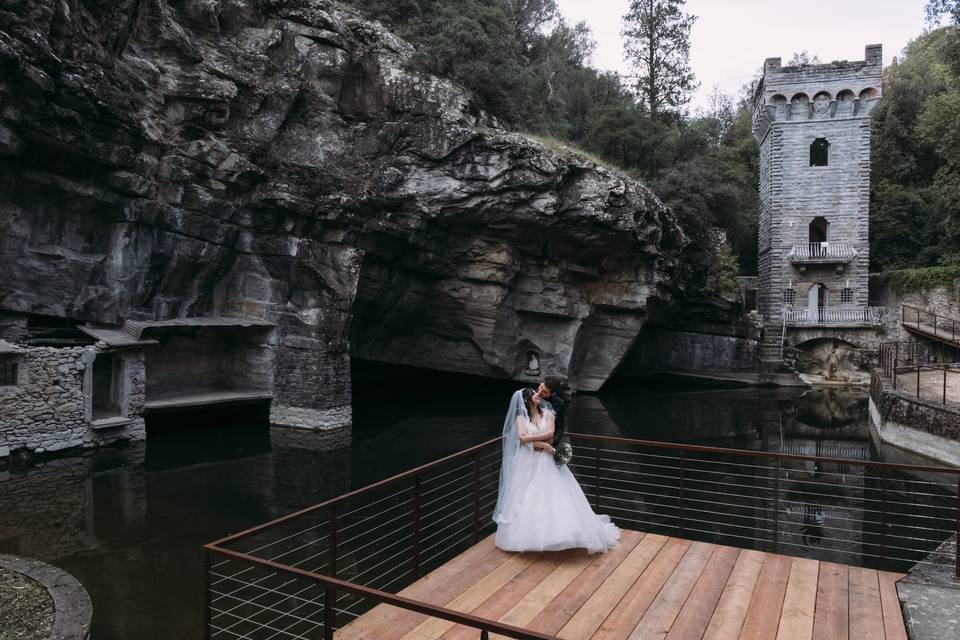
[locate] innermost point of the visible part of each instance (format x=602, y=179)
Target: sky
x=731, y=38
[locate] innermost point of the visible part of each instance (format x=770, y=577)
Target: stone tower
x=813, y=126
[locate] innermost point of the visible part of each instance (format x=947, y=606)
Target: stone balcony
x=848, y=316
x=823, y=253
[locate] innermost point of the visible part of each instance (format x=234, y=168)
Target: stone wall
x=925, y=428
x=944, y=300
x=663, y=349
x=50, y=407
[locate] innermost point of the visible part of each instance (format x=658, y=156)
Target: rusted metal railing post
x=416, y=526
x=476, y=498
x=207, y=599
x=776, y=506
x=896, y=357
x=596, y=475
x=683, y=461
x=330, y=596
x=883, y=515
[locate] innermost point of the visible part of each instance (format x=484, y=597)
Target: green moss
x=903, y=281
x=806, y=364
x=567, y=150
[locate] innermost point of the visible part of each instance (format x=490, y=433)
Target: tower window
x=846, y=296
x=789, y=297
x=819, y=150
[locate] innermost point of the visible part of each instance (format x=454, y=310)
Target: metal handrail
x=843, y=315
x=410, y=604
x=832, y=251
x=351, y=494
x=692, y=503
x=773, y=455
x=939, y=322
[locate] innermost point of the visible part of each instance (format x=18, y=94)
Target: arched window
x=800, y=98
x=778, y=99
x=846, y=95
x=819, y=152
x=868, y=93
x=819, y=229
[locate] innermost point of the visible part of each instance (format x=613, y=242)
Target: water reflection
x=129, y=522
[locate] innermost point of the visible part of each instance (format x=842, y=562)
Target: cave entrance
x=205, y=362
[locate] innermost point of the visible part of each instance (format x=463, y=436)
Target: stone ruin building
x=813, y=125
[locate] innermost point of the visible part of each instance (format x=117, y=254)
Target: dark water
x=129, y=522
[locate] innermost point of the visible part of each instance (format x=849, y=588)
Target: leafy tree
x=936, y=9
x=657, y=41
x=803, y=57
x=915, y=171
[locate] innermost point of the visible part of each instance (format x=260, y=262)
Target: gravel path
x=26, y=611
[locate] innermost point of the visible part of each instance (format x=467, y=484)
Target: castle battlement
x=840, y=89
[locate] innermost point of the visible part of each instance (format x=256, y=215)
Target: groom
x=556, y=393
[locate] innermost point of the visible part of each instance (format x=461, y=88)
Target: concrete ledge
x=930, y=596
x=73, y=611
x=933, y=447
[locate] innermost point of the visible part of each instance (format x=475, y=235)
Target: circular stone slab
x=73, y=610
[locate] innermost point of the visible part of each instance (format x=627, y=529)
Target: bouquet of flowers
x=563, y=453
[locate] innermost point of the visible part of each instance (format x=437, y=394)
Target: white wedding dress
x=542, y=507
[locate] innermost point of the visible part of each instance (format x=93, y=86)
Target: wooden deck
x=651, y=586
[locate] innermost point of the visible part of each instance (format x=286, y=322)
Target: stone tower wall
x=793, y=107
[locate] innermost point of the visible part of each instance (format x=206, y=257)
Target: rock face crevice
x=280, y=160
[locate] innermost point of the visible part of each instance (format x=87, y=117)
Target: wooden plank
x=731, y=611
x=831, y=618
x=494, y=607
x=763, y=614
x=595, y=610
x=544, y=593
x=866, y=612
x=696, y=613
x=569, y=601
x=893, y=625
x=625, y=616
x=658, y=619
x=799, y=601
x=439, y=587
x=474, y=596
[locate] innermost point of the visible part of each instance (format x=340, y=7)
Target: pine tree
x=657, y=41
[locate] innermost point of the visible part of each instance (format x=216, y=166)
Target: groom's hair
x=556, y=385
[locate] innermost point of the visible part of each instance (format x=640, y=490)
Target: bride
x=540, y=505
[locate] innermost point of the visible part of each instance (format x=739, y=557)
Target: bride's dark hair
x=528, y=402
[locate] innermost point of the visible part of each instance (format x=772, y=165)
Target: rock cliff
x=279, y=159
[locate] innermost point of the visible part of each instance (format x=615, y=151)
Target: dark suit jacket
x=559, y=406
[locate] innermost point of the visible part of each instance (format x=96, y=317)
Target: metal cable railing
x=917, y=369
x=310, y=573
x=930, y=323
